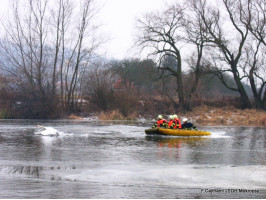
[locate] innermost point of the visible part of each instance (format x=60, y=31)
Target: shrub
x=4, y=114
x=111, y=115
x=126, y=103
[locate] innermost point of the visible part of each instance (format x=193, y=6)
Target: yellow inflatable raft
x=175, y=132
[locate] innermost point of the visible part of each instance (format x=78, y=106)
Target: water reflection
x=44, y=172
x=27, y=170
x=178, y=142
x=180, y=149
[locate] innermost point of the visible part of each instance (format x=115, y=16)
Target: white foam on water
x=47, y=131
x=218, y=134
x=50, y=131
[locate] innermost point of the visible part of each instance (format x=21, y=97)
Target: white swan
x=47, y=130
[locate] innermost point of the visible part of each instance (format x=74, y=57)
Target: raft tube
x=175, y=132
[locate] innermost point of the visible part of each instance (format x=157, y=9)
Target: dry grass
x=74, y=117
x=227, y=116
x=116, y=115
x=201, y=115
x=112, y=115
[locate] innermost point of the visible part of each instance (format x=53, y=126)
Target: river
x=108, y=159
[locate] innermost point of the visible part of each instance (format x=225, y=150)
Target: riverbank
x=202, y=115
x=227, y=116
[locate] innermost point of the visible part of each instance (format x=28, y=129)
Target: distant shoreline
x=203, y=116
x=200, y=116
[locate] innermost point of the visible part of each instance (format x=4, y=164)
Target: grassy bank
x=227, y=116
x=205, y=115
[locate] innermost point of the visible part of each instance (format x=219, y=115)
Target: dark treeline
x=200, y=53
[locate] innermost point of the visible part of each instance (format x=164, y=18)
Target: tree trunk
x=180, y=83
x=258, y=101
x=264, y=100
x=245, y=100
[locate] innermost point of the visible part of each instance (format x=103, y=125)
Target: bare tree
x=80, y=52
x=25, y=55
x=41, y=45
x=255, y=71
x=232, y=34
x=253, y=15
x=23, y=48
x=227, y=53
x=98, y=86
x=166, y=33
x=197, y=37
x=60, y=17
x=161, y=33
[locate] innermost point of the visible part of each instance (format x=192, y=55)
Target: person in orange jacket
x=177, y=122
x=171, y=122
x=160, y=122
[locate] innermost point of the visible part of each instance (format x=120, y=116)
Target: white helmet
x=170, y=116
x=185, y=120
x=160, y=117
x=175, y=116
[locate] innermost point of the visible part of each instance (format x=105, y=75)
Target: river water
x=96, y=159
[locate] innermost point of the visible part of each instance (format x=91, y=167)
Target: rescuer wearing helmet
x=160, y=122
x=177, y=122
x=187, y=125
x=171, y=123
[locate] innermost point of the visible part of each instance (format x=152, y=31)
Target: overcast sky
x=118, y=19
